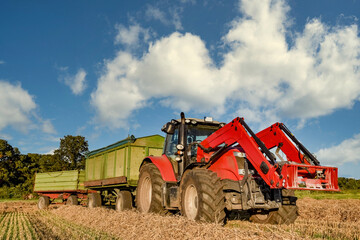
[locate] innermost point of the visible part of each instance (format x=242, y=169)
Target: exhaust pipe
x=181, y=140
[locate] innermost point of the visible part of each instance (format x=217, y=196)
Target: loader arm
x=237, y=131
x=278, y=135
x=298, y=173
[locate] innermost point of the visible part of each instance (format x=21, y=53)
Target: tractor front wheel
x=148, y=193
x=202, y=196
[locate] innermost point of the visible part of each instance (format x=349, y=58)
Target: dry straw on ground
x=329, y=219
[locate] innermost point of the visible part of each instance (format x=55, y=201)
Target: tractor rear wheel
x=123, y=201
x=94, y=200
x=286, y=214
x=72, y=200
x=148, y=193
x=202, y=196
x=44, y=202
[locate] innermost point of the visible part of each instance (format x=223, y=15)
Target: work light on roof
x=208, y=119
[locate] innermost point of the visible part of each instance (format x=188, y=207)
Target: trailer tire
x=44, y=202
x=72, y=200
x=94, y=200
x=286, y=214
x=123, y=201
x=148, y=193
x=202, y=196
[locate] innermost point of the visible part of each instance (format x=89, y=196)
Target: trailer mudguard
x=165, y=167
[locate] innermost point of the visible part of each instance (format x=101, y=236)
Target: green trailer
x=65, y=185
x=113, y=171
x=110, y=177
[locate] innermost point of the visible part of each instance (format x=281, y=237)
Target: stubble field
x=318, y=219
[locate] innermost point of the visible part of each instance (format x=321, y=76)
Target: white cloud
x=117, y=96
x=47, y=127
x=16, y=106
x=77, y=82
x=155, y=13
x=347, y=151
x=5, y=136
x=2, y=62
x=51, y=152
x=173, y=19
x=18, y=110
x=261, y=75
x=131, y=36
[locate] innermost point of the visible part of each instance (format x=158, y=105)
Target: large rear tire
x=202, y=196
x=148, y=193
x=123, y=201
x=44, y=202
x=94, y=200
x=286, y=214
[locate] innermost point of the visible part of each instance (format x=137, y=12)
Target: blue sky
x=106, y=69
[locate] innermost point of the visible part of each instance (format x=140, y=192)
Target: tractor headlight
x=180, y=147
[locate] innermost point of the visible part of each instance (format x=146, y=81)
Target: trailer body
x=117, y=165
x=65, y=186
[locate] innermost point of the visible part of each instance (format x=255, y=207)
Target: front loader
x=209, y=169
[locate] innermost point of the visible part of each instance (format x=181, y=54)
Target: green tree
x=9, y=157
x=51, y=163
x=72, y=150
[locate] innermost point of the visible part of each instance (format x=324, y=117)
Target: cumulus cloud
x=18, y=110
x=77, y=82
x=16, y=106
x=131, y=36
x=347, y=151
x=116, y=95
x=261, y=75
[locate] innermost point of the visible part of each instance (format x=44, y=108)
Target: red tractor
x=209, y=169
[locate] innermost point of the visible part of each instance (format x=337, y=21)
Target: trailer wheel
x=94, y=200
x=123, y=201
x=202, y=196
x=72, y=200
x=286, y=214
x=148, y=193
x=44, y=202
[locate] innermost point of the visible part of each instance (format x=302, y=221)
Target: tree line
x=17, y=171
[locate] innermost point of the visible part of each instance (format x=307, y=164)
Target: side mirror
x=168, y=128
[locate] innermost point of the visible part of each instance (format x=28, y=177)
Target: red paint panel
x=165, y=167
x=226, y=167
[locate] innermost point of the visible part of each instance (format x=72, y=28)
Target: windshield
x=199, y=133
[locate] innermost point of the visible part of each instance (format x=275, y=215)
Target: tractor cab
x=182, y=139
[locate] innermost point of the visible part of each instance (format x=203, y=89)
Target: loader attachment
x=302, y=169
x=310, y=177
